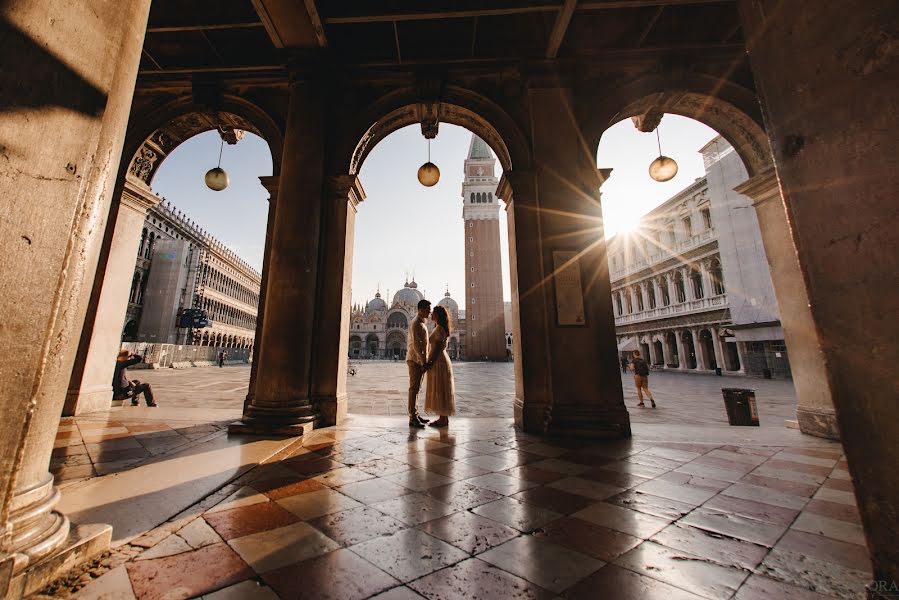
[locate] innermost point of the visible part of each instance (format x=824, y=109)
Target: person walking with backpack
x=641, y=378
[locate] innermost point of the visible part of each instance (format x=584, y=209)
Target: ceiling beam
x=515, y=10
x=266, y=18
x=446, y=14
x=650, y=25
x=563, y=18
x=316, y=23
x=210, y=27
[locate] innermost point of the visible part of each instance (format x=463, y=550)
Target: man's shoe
x=422, y=420
x=653, y=402
x=416, y=423
x=153, y=405
x=134, y=403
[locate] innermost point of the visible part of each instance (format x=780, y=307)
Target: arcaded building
x=179, y=266
x=691, y=286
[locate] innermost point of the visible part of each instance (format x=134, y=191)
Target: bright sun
x=620, y=219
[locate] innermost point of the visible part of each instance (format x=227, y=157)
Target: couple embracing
x=427, y=355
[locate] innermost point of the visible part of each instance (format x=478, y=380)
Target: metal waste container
x=740, y=406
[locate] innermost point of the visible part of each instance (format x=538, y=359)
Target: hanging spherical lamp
x=428, y=173
x=663, y=168
x=216, y=177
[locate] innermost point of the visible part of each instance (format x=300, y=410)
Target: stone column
x=834, y=144
x=742, y=355
x=580, y=327
x=90, y=387
x=632, y=290
x=533, y=383
x=688, y=284
x=344, y=193
x=719, y=351
x=281, y=403
x=682, y=358
x=706, y=279
x=658, y=291
x=65, y=129
x=271, y=184
x=814, y=401
x=666, y=351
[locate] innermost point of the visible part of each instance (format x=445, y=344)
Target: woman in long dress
x=440, y=395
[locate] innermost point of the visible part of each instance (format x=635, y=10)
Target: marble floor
x=372, y=509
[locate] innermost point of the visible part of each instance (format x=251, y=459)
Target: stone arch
x=728, y=108
x=152, y=137
x=457, y=106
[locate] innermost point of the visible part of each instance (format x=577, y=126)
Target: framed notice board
x=568, y=288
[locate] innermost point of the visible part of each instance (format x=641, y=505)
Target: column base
x=36, y=530
x=79, y=402
x=573, y=420
x=83, y=543
x=332, y=410
x=819, y=423
x=255, y=427
x=588, y=421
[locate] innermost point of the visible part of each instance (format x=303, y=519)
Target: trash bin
x=718, y=371
x=766, y=373
x=740, y=406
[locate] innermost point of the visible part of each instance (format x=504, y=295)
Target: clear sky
x=403, y=227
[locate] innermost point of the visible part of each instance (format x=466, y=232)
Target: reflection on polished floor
x=372, y=509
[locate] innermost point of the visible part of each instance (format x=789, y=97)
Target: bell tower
x=484, y=322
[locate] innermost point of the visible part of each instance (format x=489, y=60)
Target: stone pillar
x=682, y=358
x=533, y=383
x=90, y=387
x=645, y=293
x=344, y=193
x=657, y=288
x=833, y=122
x=580, y=327
x=281, y=403
x=742, y=356
x=814, y=401
x=699, y=348
x=719, y=351
x=706, y=279
x=271, y=184
x=65, y=129
x=690, y=293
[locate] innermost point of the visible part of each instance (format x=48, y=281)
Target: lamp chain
x=659, y=141
x=221, y=149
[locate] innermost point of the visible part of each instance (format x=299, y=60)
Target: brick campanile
x=484, y=323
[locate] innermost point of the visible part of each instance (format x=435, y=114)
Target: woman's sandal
x=641, y=405
x=439, y=423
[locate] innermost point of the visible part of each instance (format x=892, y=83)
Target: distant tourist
x=122, y=387
x=416, y=359
x=641, y=378
x=440, y=395
x=222, y=356
x=624, y=364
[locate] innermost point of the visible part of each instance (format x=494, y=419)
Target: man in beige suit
x=416, y=359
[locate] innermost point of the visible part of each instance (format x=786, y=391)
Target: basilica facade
x=379, y=330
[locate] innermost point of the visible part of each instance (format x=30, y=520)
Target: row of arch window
x=138, y=287
x=147, y=241
x=215, y=279
x=481, y=197
x=624, y=299
x=220, y=340
x=228, y=315
x=661, y=238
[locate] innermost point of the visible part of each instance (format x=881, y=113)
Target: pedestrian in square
x=641, y=378
x=122, y=387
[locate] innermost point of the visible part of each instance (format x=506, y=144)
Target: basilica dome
x=408, y=295
x=377, y=304
x=449, y=304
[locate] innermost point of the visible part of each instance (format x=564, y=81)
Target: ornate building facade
x=483, y=272
x=380, y=331
x=691, y=287
x=180, y=266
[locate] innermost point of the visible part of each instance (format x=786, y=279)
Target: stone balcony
x=663, y=254
x=683, y=308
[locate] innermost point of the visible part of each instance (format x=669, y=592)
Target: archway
x=708, y=349
x=660, y=353
x=671, y=340
x=355, y=346
x=689, y=349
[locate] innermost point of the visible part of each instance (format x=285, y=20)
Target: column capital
x=761, y=187
x=271, y=184
x=346, y=187
x=137, y=196
x=510, y=180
